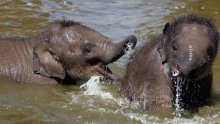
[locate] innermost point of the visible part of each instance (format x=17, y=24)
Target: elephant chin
x=106, y=72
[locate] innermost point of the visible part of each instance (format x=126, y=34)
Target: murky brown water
x=22, y=104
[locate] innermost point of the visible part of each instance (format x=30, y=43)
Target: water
x=91, y=88
x=178, y=86
x=96, y=103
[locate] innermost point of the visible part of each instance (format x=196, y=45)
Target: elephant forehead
x=194, y=32
x=194, y=28
x=71, y=36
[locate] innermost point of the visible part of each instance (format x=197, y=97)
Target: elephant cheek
x=75, y=74
x=83, y=74
x=88, y=73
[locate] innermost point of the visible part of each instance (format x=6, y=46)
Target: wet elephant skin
x=185, y=52
x=146, y=79
x=64, y=52
x=191, y=48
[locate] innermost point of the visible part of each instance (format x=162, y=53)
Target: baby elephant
x=191, y=47
x=182, y=56
x=64, y=53
x=146, y=78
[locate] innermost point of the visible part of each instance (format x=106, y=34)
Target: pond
x=100, y=103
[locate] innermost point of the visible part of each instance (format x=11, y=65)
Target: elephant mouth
x=106, y=72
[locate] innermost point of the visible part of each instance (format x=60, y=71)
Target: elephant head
x=190, y=47
x=67, y=48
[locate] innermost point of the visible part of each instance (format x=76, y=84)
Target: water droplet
x=29, y=4
x=202, y=7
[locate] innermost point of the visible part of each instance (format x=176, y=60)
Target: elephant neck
x=16, y=55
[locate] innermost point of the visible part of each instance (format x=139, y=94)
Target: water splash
x=178, y=85
x=92, y=88
x=178, y=93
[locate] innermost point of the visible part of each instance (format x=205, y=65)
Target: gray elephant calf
x=174, y=69
x=64, y=53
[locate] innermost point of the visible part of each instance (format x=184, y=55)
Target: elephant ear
x=46, y=64
x=161, y=47
x=162, y=52
x=166, y=27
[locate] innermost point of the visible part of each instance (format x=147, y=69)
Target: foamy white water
x=178, y=93
x=92, y=87
x=110, y=105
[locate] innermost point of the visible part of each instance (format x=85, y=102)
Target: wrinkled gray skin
x=190, y=51
x=191, y=47
x=146, y=79
x=64, y=53
x=183, y=54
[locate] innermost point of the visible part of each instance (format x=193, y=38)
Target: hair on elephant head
x=174, y=69
x=190, y=48
x=68, y=48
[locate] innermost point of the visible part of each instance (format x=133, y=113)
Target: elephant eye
x=87, y=50
x=174, y=46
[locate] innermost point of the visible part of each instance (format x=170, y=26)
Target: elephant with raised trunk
x=63, y=53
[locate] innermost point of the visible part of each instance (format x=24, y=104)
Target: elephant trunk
x=184, y=68
x=116, y=50
x=190, y=66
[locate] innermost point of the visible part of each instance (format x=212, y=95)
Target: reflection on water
x=115, y=19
